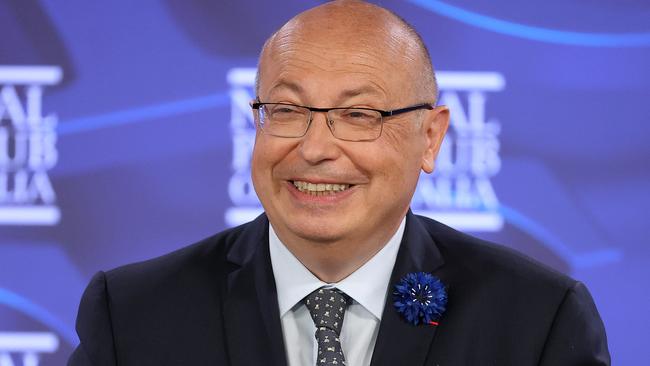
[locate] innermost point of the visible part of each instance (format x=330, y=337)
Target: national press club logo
x=27, y=146
x=27, y=152
x=459, y=193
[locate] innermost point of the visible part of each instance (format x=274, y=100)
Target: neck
x=334, y=260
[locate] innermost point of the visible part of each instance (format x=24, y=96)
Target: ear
x=434, y=127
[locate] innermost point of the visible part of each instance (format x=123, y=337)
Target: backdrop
x=125, y=133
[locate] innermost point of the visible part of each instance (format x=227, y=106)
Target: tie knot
x=327, y=308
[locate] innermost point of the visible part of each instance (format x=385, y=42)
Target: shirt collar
x=367, y=285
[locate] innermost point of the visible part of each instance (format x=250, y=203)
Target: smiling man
x=336, y=182
x=338, y=270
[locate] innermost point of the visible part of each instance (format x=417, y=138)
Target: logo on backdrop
x=459, y=193
x=27, y=146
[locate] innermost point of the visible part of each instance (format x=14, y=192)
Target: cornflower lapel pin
x=420, y=297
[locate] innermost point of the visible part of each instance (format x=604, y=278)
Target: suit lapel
x=251, y=315
x=400, y=343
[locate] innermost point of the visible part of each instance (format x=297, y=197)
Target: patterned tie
x=327, y=308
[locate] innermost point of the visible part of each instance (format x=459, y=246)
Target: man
x=346, y=120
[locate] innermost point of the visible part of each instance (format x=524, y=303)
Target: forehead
x=354, y=61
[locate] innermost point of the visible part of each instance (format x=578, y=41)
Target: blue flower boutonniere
x=420, y=297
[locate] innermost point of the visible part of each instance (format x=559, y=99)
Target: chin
x=318, y=232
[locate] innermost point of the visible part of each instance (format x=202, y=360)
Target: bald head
x=355, y=31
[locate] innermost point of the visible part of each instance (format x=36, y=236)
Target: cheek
x=393, y=137
x=406, y=144
x=388, y=167
x=268, y=153
x=262, y=162
x=399, y=159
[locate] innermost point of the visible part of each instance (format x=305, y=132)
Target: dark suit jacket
x=215, y=303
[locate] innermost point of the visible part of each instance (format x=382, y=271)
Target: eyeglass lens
x=354, y=124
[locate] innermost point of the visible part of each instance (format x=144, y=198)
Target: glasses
x=349, y=124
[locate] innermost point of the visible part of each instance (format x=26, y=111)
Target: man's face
x=380, y=175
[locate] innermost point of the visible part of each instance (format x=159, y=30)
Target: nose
x=319, y=144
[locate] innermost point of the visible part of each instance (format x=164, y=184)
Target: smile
x=320, y=189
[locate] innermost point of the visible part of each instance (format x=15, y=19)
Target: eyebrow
x=345, y=94
x=365, y=89
x=289, y=85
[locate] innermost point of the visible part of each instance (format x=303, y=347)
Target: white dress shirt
x=367, y=286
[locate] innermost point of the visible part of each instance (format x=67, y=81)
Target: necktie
x=327, y=308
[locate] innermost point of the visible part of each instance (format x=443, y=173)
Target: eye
x=280, y=108
x=359, y=116
x=284, y=111
x=355, y=113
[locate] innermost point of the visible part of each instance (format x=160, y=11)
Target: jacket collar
x=417, y=253
x=251, y=318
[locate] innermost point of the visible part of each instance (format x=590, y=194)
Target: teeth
x=320, y=189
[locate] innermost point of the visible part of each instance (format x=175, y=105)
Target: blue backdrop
x=125, y=133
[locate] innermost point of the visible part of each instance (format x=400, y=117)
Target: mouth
x=321, y=189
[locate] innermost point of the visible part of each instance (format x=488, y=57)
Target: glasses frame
x=383, y=113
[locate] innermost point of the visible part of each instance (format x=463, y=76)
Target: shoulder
x=481, y=265
x=538, y=313
x=136, y=308
x=198, y=267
